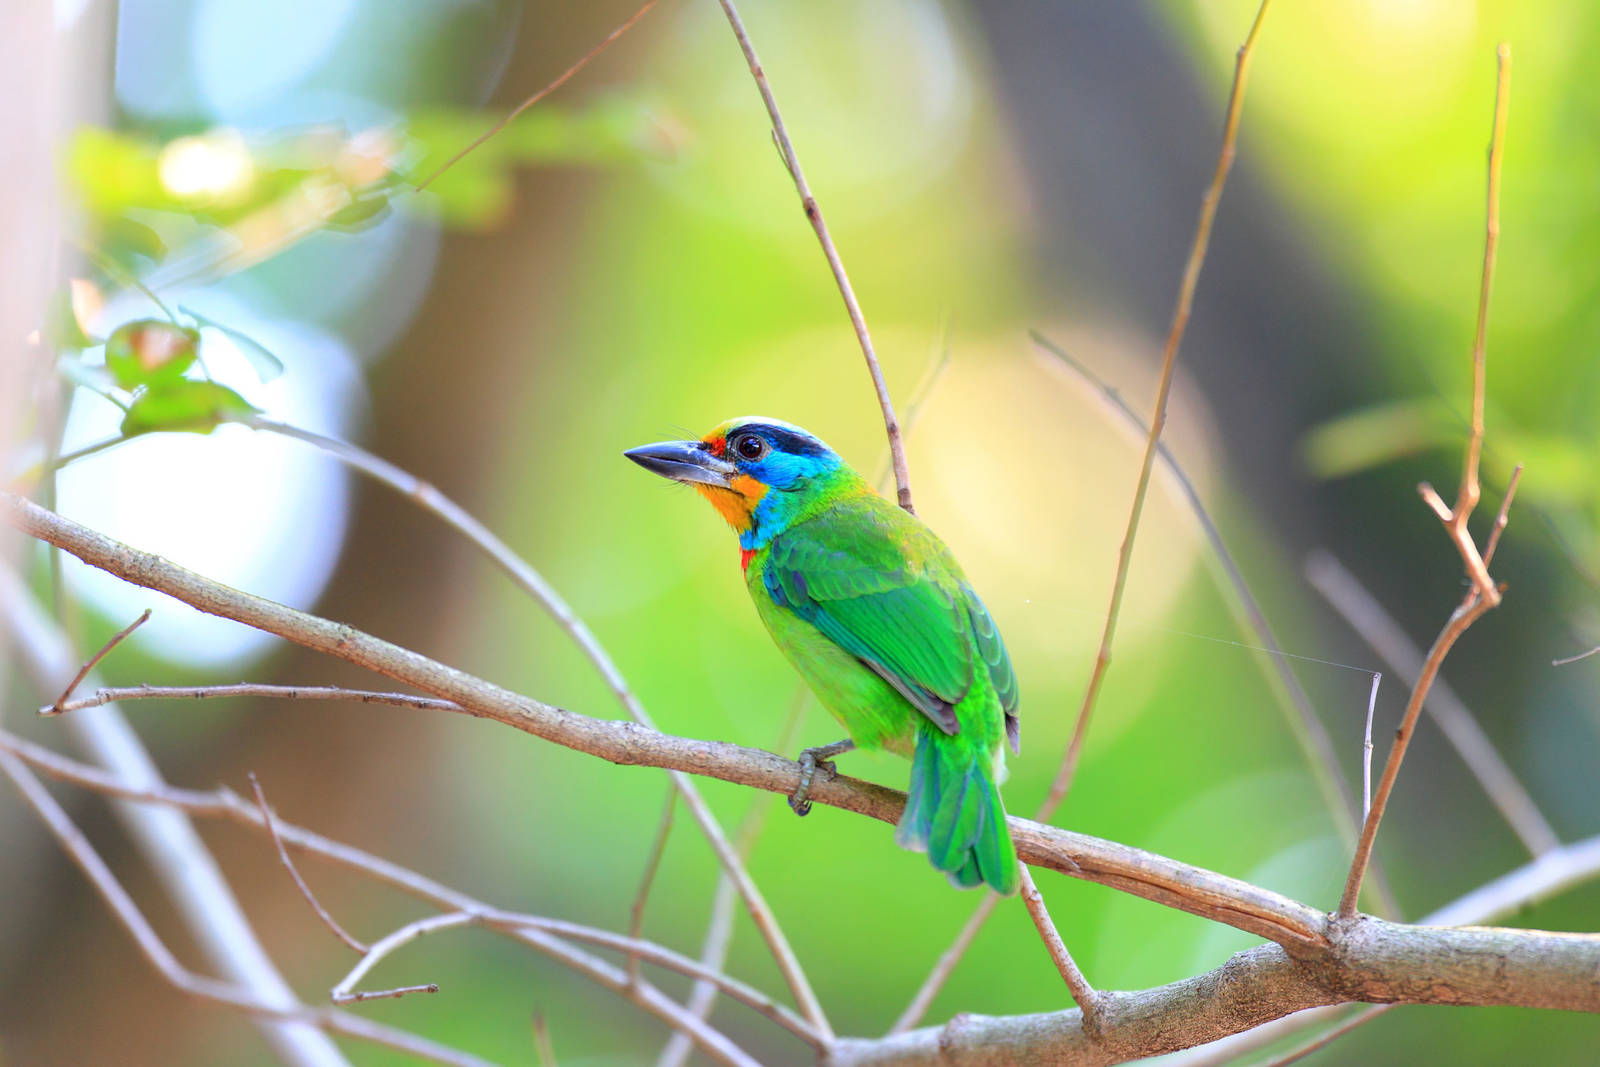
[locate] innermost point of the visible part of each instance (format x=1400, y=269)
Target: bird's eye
x=749, y=446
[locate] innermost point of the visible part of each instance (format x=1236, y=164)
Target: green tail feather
x=953, y=812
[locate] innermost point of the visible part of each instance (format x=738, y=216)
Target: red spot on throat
x=745, y=556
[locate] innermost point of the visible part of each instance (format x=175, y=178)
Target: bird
x=875, y=614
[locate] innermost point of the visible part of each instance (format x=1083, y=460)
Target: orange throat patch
x=736, y=504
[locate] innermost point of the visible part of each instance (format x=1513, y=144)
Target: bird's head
x=758, y=473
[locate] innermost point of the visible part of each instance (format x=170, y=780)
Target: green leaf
x=122, y=239
x=150, y=352
x=1375, y=435
x=361, y=215
x=266, y=365
x=184, y=406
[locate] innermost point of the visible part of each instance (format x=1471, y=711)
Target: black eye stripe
x=786, y=440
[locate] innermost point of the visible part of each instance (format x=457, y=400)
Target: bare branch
x=1373, y=961
x=305, y=890
x=1551, y=873
x=156, y=953
x=111, y=694
x=1503, y=515
x=1304, y=724
x=543, y=934
x=1158, y=418
x=541, y=1041
x=1573, y=659
x=1485, y=594
x=1200, y=892
x=533, y=583
x=1361, y=610
x=1470, y=610
x=346, y=993
x=1548, y=875
x=1180, y=318
x=83, y=672
x=719, y=931
x=1323, y=1040
x=166, y=840
x=813, y=212
x=1083, y=993
x=1467, y=496
x=564, y=77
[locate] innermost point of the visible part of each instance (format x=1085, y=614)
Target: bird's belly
x=871, y=710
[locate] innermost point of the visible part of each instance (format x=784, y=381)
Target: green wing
x=992, y=650
x=881, y=586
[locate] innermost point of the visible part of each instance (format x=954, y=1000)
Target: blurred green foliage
x=692, y=290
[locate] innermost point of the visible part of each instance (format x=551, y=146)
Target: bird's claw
x=811, y=761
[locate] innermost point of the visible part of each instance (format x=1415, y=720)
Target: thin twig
x=719, y=930
x=658, y=848
x=1467, y=496
x=83, y=672
x=1485, y=594
x=113, y=694
x=919, y=399
x=542, y=1045
x=566, y=76
x=1083, y=993
x=305, y=890
x=1503, y=515
x=534, y=584
x=813, y=212
x=166, y=839
x=1469, y=611
x=1062, y=781
x=160, y=957
x=1468, y=493
x=1573, y=659
x=1158, y=419
x=1361, y=610
x=1366, y=749
x=1328, y=1037
x=1306, y=726
x=346, y=993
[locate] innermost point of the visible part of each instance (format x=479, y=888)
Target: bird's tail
x=954, y=814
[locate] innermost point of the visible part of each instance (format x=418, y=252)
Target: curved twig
x=813, y=212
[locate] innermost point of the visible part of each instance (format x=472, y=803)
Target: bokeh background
x=628, y=263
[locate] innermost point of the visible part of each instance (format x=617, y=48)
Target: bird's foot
x=811, y=761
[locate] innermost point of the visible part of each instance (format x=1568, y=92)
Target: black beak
x=683, y=461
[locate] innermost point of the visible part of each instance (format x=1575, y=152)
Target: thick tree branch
x=1371, y=961
x=1297, y=926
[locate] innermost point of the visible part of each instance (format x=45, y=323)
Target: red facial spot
x=745, y=556
x=718, y=445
